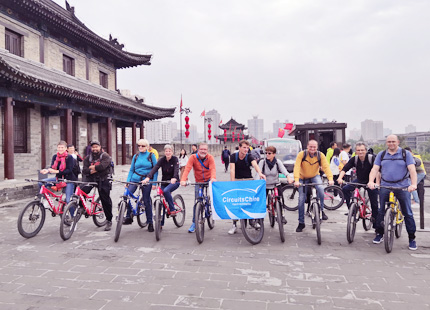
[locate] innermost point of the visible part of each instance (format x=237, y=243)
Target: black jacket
x=67, y=173
x=103, y=167
x=169, y=169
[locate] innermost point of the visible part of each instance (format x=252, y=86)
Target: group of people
x=394, y=167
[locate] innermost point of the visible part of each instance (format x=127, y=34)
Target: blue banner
x=238, y=199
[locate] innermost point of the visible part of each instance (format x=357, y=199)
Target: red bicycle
x=32, y=217
x=274, y=209
x=359, y=209
x=69, y=219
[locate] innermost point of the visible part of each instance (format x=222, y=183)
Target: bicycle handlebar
x=199, y=183
x=405, y=189
x=42, y=181
x=355, y=184
x=78, y=182
x=125, y=182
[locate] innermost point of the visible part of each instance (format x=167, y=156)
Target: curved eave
x=123, y=104
x=66, y=22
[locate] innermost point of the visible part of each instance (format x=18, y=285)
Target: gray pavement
x=91, y=271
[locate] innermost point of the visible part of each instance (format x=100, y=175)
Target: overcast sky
x=295, y=60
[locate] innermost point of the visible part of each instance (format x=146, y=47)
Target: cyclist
x=169, y=165
x=141, y=165
x=204, y=171
x=154, y=151
x=98, y=168
x=330, y=150
x=62, y=165
x=363, y=163
x=397, y=169
x=344, y=158
x=306, y=170
x=240, y=169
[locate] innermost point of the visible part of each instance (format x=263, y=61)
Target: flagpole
x=180, y=118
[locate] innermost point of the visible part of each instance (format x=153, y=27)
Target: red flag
x=203, y=114
x=288, y=126
x=220, y=123
x=281, y=132
x=235, y=128
x=181, y=104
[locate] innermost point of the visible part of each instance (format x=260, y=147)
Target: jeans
x=104, y=188
x=70, y=187
x=167, y=191
x=404, y=199
x=373, y=197
x=420, y=177
x=302, y=195
x=146, y=192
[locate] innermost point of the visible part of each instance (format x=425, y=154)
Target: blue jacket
x=141, y=166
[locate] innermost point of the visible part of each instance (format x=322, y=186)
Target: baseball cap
x=95, y=142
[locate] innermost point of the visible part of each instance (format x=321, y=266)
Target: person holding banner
x=306, y=170
x=240, y=169
x=204, y=171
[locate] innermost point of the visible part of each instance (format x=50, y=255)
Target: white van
x=286, y=150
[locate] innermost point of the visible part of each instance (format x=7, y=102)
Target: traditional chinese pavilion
x=233, y=130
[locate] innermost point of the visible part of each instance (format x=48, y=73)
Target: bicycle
x=160, y=204
x=203, y=211
x=359, y=209
x=138, y=209
x=32, y=217
x=333, y=197
x=274, y=210
x=393, y=218
x=69, y=220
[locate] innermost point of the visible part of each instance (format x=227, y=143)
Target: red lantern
x=209, y=131
x=225, y=135
x=187, y=126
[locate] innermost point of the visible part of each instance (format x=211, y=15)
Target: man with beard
x=97, y=168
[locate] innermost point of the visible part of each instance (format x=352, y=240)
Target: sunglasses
x=269, y=153
x=140, y=145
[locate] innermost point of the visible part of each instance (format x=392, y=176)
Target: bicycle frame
x=363, y=204
x=47, y=194
x=84, y=197
x=395, y=207
x=128, y=196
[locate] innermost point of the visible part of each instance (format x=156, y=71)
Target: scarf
x=61, y=158
x=271, y=164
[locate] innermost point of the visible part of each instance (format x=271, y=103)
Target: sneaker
x=412, y=245
x=151, y=227
x=108, y=226
x=378, y=239
x=324, y=217
x=300, y=227
x=127, y=221
x=192, y=228
x=173, y=213
x=284, y=220
x=232, y=230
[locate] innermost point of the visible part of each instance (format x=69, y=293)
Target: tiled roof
x=32, y=75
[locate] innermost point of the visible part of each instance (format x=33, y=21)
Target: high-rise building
x=410, y=128
x=215, y=119
x=256, y=127
x=372, y=130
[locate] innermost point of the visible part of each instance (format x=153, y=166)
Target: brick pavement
x=91, y=271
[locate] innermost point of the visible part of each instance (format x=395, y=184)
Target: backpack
x=149, y=158
x=256, y=153
x=403, y=158
x=370, y=158
x=305, y=153
x=76, y=168
x=225, y=153
x=246, y=159
x=111, y=166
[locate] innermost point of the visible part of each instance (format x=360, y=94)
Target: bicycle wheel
x=317, y=220
x=68, y=221
x=209, y=217
x=179, y=203
x=388, y=229
x=253, y=230
x=279, y=219
x=121, y=210
x=31, y=219
x=290, y=197
x=158, y=218
x=399, y=226
x=333, y=197
x=367, y=220
x=140, y=212
x=99, y=217
x=351, y=225
x=199, y=218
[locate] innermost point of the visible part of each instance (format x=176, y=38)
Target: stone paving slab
x=91, y=271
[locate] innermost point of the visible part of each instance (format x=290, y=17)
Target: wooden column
x=142, y=133
x=68, y=118
x=109, y=135
x=43, y=141
x=123, y=147
x=8, y=146
x=133, y=135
